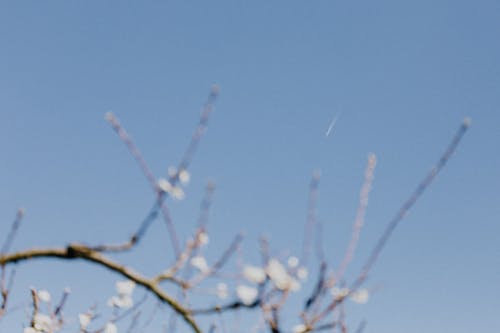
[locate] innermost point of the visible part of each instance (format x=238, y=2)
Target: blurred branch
x=77, y=251
x=311, y=216
x=408, y=204
x=122, y=133
x=391, y=226
x=360, y=216
x=13, y=230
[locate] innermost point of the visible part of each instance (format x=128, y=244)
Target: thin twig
x=13, y=230
x=198, y=133
x=361, y=327
x=360, y=216
x=311, y=216
x=122, y=133
x=63, y=300
x=318, y=288
x=408, y=204
x=391, y=226
x=219, y=263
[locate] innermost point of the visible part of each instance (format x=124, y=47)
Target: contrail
x=332, y=125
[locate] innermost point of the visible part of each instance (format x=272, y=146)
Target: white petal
x=42, y=322
x=44, y=296
x=254, y=274
x=302, y=273
x=339, y=292
x=164, y=185
x=178, y=193
x=278, y=274
x=222, y=292
x=360, y=296
x=246, y=294
x=203, y=238
x=29, y=330
x=123, y=301
x=184, y=176
x=84, y=319
x=293, y=262
x=299, y=328
x=200, y=263
x=110, y=328
x=125, y=287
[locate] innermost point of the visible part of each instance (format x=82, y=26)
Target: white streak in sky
x=332, y=125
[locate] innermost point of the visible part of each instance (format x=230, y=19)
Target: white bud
x=360, y=296
x=222, y=291
x=184, y=176
x=200, y=263
x=254, y=274
x=44, y=296
x=246, y=294
x=110, y=328
x=293, y=262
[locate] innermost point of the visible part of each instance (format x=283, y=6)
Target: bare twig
x=391, y=226
x=361, y=327
x=13, y=230
x=219, y=263
x=62, y=302
x=198, y=133
x=318, y=289
x=34, y=297
x=122, y=133
x=408, y=204
x=311, y=216
x=360, y=216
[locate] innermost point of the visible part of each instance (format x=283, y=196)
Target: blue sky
x=400, y=75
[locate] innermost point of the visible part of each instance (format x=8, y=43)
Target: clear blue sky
x=402, y=75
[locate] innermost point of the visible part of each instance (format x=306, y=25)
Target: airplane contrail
x=332, y=125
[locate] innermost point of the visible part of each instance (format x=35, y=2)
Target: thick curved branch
x=77, y=251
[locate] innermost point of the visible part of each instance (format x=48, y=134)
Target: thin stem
x=360, y=215
x=13, y=230
x=408, y=204
x=311, y=216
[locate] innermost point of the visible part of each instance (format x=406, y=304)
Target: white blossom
x=302, y=273
x=200, y=263
x=300, y=328
x=184, y=176
x=110, y=328
x=164, y=185
x=29, y=330
x=121, y=301
x=254, y=274
x=109, y=116
x=125, y=287
x=293, y=262
x=203, y=238
x=280, y=277
x=84, y=319
x=42, y=323
x=124, y=298
x=246, y=294
x=339, y=292
x=360, y=296
x=175, y=191
x=221, y=290
x=44, y=295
